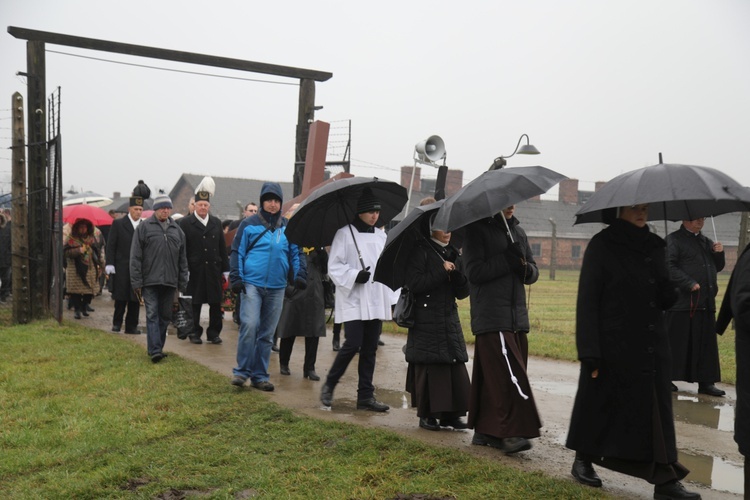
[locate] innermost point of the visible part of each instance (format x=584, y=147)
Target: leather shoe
x=216, y=341
x=275, y=348
x=311, y=375
x=507, y=445
x=710, y=389
x=116, y=328
x=673, y=490
x=77, y=315
x=336, y=345
x=584, y=473
x=429, y=423
x=263, y=385
x=85, y=312
x=133, y=332
x=456, y=423
x=284, y=370
x=195, y=340
x=238, y=381
x=89, y=308
x=158, y=357
x=372, y=405
x=326, y=395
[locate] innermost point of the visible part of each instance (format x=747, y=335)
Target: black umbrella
x=334, y=205
x=493, y=191
x=673, y=192
x=391, y=267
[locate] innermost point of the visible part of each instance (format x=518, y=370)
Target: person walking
x=694, y=262
x=436, y=377
x=261, y=263
x=361, y=303
x=118, y=269
x=736, y=305
x=499, y=263
x=622, y=414
x=83, y=260
x=304, y=315
x=207, y=262
x=158, y=270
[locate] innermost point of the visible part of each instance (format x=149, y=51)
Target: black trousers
x=311, y=352
x=131, y=319
x=359, y=336
x=215, y=322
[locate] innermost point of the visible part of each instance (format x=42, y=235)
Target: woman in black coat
x=435, y=348
x=622, y=416
x=499, y=263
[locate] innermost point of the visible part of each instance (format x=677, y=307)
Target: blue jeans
x=260, y=311
x=158, y=300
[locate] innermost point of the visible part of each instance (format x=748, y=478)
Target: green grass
x=86, y=415
x=552, y=314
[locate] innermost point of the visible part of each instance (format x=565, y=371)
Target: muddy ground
x=703, y=423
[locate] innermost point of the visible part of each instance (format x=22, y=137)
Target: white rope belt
x=513, y=378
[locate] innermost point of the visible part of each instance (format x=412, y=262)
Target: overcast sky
x=600, y=87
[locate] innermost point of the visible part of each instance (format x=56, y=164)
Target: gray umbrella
x=673, y=192
x=491, y=192
x=391, y=267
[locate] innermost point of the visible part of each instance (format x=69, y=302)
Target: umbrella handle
x=359, y=254
x=508, y=228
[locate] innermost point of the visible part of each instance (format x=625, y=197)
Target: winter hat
x=162, y=201
x=140, y=193
x=271, y=190
x=367, y=202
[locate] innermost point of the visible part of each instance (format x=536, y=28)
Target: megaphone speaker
x=432, y=148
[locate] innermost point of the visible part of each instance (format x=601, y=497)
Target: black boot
x=674, y=490
x=336, y=341
x=584, y=473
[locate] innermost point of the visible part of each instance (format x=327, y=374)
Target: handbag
x=403, y=312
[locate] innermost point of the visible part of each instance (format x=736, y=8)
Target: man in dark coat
x=736, y=305
x=118, y=270
x=499, y=263
x=694, y=261
x=208, y=264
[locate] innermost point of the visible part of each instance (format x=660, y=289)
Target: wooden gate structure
x=39, y=217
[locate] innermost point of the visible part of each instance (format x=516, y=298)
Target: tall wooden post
x=19, y=228
x=38, y=216
x=553, y=251
x=305, y=116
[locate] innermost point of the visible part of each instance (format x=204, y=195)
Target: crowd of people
x=645, y=317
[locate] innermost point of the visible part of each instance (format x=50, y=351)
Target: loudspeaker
x=431, y=149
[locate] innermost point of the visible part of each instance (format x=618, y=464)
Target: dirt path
x=704, y=434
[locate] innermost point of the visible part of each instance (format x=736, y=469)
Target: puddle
x=694, y=410
x=713, y=472
x=394, y=399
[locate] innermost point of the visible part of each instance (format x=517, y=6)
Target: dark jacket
x=623, y=292
x=157, y=255
x=436, y=336
x=304, y=312
x=498, y=298
x=207, y=258
x=692, y=261
x=118, y=254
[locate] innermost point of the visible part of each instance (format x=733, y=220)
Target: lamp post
x=526, y=149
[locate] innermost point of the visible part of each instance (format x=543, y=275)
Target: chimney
x=598, y=185
x=115, y=195
x=454, y=180
x=569, y=191
x=406, y=172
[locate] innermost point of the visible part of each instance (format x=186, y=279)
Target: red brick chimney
x=454, y=180
x=598, y=185
x=406, y=172
x=569, y=191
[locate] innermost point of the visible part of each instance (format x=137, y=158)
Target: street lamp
x=526, y=149
x=429, y=152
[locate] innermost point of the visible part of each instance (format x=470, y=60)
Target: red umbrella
x=96, y=215
x=146, y=214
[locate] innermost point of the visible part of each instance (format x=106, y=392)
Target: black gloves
x=238, y=288
x=363, y=277
x=516, y=265
x=300, y=283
